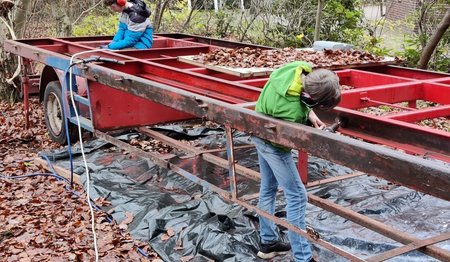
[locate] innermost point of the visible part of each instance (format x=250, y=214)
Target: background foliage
x=277, y=23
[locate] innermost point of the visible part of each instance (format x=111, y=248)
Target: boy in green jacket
x=290, y=94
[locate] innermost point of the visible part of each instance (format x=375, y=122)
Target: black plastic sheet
x=206, y=227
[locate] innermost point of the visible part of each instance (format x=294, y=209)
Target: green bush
x=95, y=24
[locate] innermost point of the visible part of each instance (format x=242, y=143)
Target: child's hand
x=314, y=119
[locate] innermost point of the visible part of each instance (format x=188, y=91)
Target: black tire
x=54, y=119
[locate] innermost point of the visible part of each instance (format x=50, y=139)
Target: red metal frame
x=118, y=108
x=153, y=86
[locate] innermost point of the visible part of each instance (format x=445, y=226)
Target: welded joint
x=119, y=79
x=201, y=103
x=312, y=233
x=270, y=126
x=364, y=97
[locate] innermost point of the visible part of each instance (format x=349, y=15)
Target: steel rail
x=377, y=226
x=410, y=247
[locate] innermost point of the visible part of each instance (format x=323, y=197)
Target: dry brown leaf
x=165, y=237
x=128, y=218
x=186, y=258
x=38, y=213
x=170, y=232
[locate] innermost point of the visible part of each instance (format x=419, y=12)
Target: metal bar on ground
x=241, y=170
x=314, y=183
x=166, y=164
x=333, y=179
x=410, y=247
x=377, y=226
x=161, y=162
x=299, y=231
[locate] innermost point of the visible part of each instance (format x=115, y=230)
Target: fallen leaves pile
x=39, y=219
x=439, y=123
x=254, y=57
x=18, y=143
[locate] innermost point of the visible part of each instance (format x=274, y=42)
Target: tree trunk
x=159, y=12
x=63, y=22
x=434, y=41
x=8, y=62
x=20, y=17
x=318, y=20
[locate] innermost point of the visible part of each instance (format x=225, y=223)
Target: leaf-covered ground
x=39, y=219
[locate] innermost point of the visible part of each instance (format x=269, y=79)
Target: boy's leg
x=286, y=173
x=267, y=193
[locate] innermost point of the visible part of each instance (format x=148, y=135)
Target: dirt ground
x=40, y=219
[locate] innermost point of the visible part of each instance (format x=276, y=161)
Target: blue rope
x=66, y=121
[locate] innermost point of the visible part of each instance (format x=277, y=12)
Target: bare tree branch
x=85, y=12
x=434, y=41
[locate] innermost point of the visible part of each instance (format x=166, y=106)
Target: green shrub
x=95, y=24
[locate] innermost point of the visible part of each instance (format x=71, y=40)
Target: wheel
x=54, y=117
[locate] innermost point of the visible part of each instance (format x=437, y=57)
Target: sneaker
x=275, y=249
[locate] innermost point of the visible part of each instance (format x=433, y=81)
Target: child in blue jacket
x=135, y=30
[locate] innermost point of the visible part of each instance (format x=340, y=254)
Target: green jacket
x=280, y=97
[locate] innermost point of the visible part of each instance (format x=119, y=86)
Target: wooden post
x=59, y=170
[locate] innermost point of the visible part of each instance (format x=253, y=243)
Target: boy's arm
x=131, y=39
x=314, y=119
x=120, y=32
x=134, y=29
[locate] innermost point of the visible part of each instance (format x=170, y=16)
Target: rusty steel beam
x=312, y=238
x=410, y=247
x=231, y=163
x=333, y=179
x=398, y=131
x=420, y=174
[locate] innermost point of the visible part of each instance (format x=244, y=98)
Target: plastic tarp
x=206, y=227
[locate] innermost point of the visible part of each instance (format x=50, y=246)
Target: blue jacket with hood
x=135, y=29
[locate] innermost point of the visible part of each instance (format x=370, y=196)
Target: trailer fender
x=50, y=74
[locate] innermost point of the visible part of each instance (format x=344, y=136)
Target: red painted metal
x=411, y=73
x=154, y=87
x=303, y=165
x=115, y=109
x=360, y=79
x=25, y=84
x=207, y=91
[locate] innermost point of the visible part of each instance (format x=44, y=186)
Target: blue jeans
x=278, y=168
